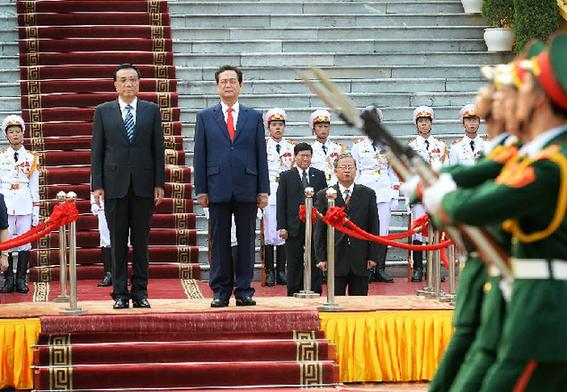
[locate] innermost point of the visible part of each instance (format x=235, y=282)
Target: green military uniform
x=467, y=318
x=526, y=196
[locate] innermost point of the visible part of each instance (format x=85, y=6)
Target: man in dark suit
x=353, y=257
x=231, y=177
x=291, y=194
x=127, y=170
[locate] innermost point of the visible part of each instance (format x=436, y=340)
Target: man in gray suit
x=127, y=170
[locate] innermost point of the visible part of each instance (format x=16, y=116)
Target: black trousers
x=357, y=285
x=130, y=214
x=295, y=249
x=224, y=274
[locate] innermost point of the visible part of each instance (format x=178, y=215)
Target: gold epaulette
x=412, y=140
x=483, y=137
x=292, y=142
x=458, y=140
x=358, y=140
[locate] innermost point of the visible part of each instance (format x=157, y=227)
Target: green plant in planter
x=498, y=13
x=534, y=20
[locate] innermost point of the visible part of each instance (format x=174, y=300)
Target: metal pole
x=73, y=308
x=63, y=296
x=307, y=292
x=451, y=256
x=428, y=290
x=436, y=268
x=330, y=306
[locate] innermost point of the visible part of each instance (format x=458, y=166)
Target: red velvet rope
x=62, y=214
x=337, y=218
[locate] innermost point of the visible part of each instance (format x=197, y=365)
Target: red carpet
x=68, y=52
x=215, y=349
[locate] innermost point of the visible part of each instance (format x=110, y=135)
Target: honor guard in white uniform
x=374, y=171
x=105, y=247
x=434, y=152
x=325, y=151
x=467, y=149
x=280, y=158
x=19, y=177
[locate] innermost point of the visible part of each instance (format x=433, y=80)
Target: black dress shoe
x=121, y=303
x=245, y=301
x=383, y=276
x=106, y=281
x=282, y=279
x=417, y=275
x=140, y=303
x=270, y=278
x=219, y=303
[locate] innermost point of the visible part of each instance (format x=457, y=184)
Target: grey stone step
x=327, y=45
x=334, y=59
x=346, y=86
x=324, y=32
x=339, y=72
x=321, y=7
x=390, y=114
x=328, y=19
x=266, y=101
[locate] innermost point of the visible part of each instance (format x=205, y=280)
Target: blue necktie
x=129, y=123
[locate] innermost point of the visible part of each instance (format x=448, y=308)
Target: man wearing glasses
x=354, y=257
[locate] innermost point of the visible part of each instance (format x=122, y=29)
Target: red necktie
x=230, y=123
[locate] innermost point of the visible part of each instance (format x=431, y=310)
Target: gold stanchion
x=307, y=292
x=330, y=306
x=73, y=307
x=63, y=296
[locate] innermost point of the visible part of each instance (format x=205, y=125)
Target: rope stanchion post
x=436, y=256
x=73, y=308
x=330, y=305
x=307, y=292
x=451, y=256
x=428, y=290
x=63, y=296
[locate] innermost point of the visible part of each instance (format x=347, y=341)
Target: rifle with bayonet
x=406, y=162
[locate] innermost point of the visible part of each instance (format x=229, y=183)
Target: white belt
x=539, y=269
x=493, y=271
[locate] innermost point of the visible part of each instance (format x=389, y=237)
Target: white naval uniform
x=374, y=171
x=434, y=152
x=277, y=162
x=103, y=231
x=324, y=161
x=20, y=187
x=462, y=151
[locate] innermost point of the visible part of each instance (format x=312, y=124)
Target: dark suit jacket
x=291, y=195
x=351, y=254
x=114, y=160
x=225, y=169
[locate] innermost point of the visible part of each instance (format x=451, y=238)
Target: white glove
x=259, y=213
x=409, y=187
x=206, y=211
x=433, y=195
x=95, y=209
x=506, y=288
x=35, y=215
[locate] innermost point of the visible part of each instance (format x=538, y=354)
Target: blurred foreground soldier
x=467, y=149
x=529, y=198
x=290, y=195
x=325, y=151
x=434, y=152
x=353, y=257
x=280, y=158
x=374, y=171
x=19, y=176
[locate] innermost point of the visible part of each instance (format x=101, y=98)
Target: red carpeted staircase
x=195, y=350
x=68, y=51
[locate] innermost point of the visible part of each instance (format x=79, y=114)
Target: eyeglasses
x=346, y=167
x=224, y=82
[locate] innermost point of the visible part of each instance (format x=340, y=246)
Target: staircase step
x=179, y=375
x=190, y=351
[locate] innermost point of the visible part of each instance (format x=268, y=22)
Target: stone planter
x=472, y=6
x=499, y=39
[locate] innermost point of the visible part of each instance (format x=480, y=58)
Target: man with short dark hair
x=291, y=194
x=128, y=173
x=353, y=257
x=231, y=177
